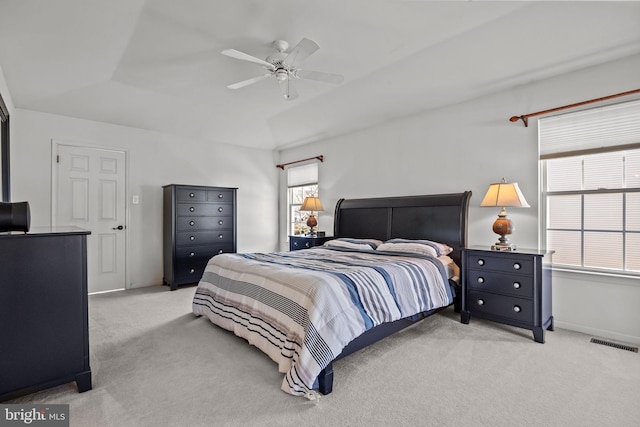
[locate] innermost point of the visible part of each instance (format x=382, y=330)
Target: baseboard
x=598, y=333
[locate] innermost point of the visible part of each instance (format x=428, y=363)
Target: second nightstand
x=513, y=288
x=306, y=242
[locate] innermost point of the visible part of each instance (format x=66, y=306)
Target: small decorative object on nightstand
x=306, y=242
x=512, y=287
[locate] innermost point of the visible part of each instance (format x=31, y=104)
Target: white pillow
x=423, y=247
x=361, y=244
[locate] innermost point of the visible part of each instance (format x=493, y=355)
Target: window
x=297, y=219
x=593, y=210
x=590, y=164
x=302, y=182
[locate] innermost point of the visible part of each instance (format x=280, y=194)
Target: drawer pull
x=295, y=243
x=192, y=254
x=192, y=209
x=192, y=237
x=306, y=244
x=220, y=209
x=480, y=302
x=516, y=285
x=517, y=308
x=192, y=195
x=517, y=266
x=480, y=261
x=220, y=236
x=220, y=222
x=220, y=196
x=191, y=271
x=480, y=279
x=192, y=223
x=220, y=251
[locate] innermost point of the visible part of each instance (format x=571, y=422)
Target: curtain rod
x=525, y=117
x=320, y=157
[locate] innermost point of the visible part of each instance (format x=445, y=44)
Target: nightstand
x=305, y=242
x=513, y=288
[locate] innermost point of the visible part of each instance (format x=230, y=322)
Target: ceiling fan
x=285, y=66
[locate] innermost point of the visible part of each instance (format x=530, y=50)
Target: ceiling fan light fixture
x=281, y=74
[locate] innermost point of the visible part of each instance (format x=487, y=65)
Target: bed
x=308, y=308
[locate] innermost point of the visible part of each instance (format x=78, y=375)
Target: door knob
x=120, y=227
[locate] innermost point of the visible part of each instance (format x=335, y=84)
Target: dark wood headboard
x=438, y=217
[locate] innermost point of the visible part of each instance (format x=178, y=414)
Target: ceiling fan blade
x=320, y=76
x=246, y=57
x=300, y=52
x=288, y=90
x=249, y=81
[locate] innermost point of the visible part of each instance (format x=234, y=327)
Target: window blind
x=302, y=175
x=597, y=129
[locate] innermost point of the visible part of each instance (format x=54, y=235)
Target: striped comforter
x=302, y=308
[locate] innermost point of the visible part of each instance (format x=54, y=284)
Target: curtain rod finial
x=523, y=118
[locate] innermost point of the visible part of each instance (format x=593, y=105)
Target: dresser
x=513, y=288
x=305, y=242
x=43, y=310
x=198, y=223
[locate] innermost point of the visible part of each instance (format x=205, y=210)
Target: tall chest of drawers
x=512, y=288
x=198, y=223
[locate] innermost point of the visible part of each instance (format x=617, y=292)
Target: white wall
x=155, y=160
x=467, y=147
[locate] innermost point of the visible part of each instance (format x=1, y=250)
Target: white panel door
x=91, y=195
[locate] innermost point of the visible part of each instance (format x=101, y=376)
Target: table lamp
x=311, y=204
x=504, y=194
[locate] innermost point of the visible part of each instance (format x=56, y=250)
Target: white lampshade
x=312, y=204
x=504, y=194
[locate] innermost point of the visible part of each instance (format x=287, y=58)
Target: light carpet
x=155, y=364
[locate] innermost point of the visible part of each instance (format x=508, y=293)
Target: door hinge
x=58, y=158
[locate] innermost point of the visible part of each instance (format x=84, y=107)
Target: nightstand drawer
x=517, y=309
x=510, y=284
x=306, y=242
x=504, y=263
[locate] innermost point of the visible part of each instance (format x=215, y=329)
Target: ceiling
x=157, y=64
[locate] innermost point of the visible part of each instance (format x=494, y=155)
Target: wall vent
x=615, y=345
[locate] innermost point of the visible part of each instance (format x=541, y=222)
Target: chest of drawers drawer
x=188, y=223
x=204, y=209
x=185, y=238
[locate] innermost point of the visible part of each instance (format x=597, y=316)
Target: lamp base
x=503, y=248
